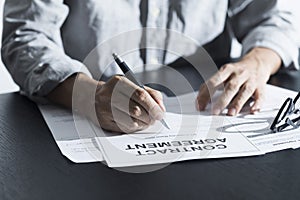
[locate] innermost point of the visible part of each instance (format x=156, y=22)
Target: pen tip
x=164, y=123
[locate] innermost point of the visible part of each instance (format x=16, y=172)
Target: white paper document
x=193, y=134
x=191, y=137
x=79, y=147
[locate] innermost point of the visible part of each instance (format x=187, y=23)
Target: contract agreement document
x=193, y=134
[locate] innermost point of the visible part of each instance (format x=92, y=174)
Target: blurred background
x=6, y=82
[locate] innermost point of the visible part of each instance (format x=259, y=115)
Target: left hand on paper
x=241, y=80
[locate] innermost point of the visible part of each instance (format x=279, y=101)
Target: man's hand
x=242, y=80
x=123, y=106
x=120, y=105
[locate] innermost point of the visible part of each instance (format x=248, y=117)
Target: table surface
x=32, y=167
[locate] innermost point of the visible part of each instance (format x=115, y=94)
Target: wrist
x=83, y=96
x=266, y=58
x=77, y=92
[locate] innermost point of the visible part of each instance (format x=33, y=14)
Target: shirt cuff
x=278, y=42
x=49, y=75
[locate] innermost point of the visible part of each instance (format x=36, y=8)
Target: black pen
x=129, y=74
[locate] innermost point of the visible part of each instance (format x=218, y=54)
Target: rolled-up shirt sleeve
x=32, y=47
x=273, y=24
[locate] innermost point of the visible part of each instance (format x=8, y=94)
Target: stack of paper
x=193, y=135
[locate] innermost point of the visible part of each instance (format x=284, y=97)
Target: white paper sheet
x=244, y=135
x=77, y=147
x=191, y=137
x=256, y=127
x=80, y=150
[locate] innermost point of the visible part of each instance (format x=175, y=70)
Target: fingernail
x=231, y=112
x=216, y=111
x=201, y=107
x=255, y=111
x=197, y=106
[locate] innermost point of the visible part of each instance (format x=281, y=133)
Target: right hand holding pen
x=122, y=106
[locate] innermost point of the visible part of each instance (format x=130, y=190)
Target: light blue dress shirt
x=46, y=41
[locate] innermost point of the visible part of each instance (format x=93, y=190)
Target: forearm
x=64, y=93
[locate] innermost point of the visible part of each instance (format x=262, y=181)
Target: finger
x=140, y=96
x=207, y=89
x=107, y=112
x=138, y=112
x=126, y=123
x=143, y=98
x=204, y=97
x=258, y=100
x=157, y=96
x=132, y=108
x=231, y=89
x=242, y=97
x=112, y=126
x=105, y=121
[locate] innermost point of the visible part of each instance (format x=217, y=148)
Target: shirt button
x=154, y=61
x=156, y=12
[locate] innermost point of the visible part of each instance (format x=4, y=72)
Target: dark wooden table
x=32, y=167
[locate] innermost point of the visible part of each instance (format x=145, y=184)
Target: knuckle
x=235, y=74
x=117, y=78
x=243, y=72
x=248, y=88
x=228, y=66
x=141, y=94
x=134, y=126
x=232, y=85
x=111, y=83
x=136, y=111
